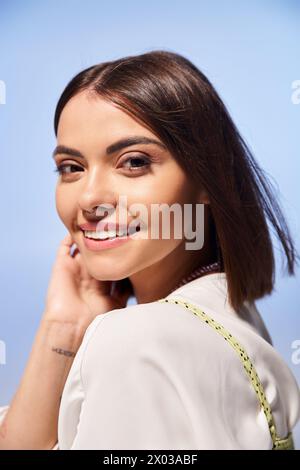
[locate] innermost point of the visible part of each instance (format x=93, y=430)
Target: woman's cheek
x=64, y=204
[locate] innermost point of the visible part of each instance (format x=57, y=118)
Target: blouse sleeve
x=3, y=411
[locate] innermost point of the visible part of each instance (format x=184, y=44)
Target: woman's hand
x=76, y=297
x=73, y=300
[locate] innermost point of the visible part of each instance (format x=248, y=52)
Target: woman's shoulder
x=156, y=331
x=175, y=329
x=162, y=343
x=178, y=336
x=164, y=350
x=153, y=323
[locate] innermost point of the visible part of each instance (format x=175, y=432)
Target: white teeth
x=101, y=235
x=104, y=234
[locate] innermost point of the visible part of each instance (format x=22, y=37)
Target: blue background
x=249, y=51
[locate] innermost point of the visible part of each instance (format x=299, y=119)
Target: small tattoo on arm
x=64, y=352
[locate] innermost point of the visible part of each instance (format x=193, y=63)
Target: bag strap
x=278, y=443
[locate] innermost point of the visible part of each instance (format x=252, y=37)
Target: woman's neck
x=161, y=278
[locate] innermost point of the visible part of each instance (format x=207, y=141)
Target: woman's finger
x=65, y=245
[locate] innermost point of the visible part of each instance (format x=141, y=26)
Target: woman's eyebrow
x=119, y=145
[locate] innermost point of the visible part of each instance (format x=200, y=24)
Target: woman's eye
x=133, y=164
x=62, y=169
x=139, y=163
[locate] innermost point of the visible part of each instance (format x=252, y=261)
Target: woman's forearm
x=32, y=419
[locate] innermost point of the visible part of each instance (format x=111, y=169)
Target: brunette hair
x=174, y=98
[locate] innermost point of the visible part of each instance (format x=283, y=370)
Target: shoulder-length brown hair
x=175, y=99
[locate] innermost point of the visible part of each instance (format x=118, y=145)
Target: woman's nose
x=96, y=191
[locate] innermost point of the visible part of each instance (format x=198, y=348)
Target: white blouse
x=155, y=376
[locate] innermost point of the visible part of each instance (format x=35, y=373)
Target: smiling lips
x=99, y=231
x=98, y=240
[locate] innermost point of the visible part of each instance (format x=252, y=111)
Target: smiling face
x=145, y=173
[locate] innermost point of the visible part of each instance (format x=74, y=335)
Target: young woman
x=191, y=364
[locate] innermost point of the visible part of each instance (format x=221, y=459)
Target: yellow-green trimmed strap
x=284, y=444
x=278, y=443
